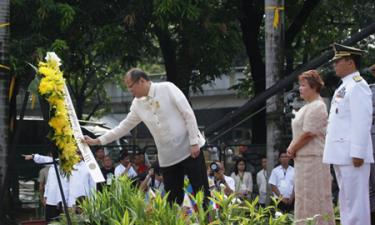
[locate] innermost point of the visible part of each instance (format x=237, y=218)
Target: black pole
x=61, y=192
x=45, y=112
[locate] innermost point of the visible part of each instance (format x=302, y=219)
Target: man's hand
x=285, y=201
x=90, y=141
x=195, y=151
x=220, y=176
x=357, y=162
x=127, y=168
x=28, y=157
x=151, y=172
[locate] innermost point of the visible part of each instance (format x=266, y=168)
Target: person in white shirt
x=262, y=183
x=52, y=195
x=153, y=180
x=243, y=179
x=81, y=184
x=282, y=183
x=348, y=145
x=168, y=115
x=219, y=180
x=125, y=167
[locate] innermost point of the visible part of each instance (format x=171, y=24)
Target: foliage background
x=99, y=40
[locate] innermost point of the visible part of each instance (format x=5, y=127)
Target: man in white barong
x=168, y=115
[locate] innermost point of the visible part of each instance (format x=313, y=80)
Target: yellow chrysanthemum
x=45, y=87
x=52, y=87
x=46, y=71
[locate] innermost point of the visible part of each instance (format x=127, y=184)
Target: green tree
x=88, y=36
x=198, y=40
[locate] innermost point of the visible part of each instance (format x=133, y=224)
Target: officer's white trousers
x=354, y=194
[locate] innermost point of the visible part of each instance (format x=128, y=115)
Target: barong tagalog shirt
x=170, y=119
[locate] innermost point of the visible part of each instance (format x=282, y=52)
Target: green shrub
x=123, y=204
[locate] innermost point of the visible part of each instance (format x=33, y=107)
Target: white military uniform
x=372, y=170
x=348, y=136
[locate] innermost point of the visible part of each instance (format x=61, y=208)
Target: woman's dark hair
x=235, y=169
x=136, y=74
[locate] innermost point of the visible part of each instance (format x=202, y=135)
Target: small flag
x=186, y=204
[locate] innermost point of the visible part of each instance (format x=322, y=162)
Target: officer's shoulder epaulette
x=357, y=78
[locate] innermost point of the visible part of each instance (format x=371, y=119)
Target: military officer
x=372, y=170
x=348, y=142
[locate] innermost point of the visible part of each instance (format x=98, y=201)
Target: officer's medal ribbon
x=340, y=95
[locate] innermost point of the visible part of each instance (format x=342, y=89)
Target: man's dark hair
x=136, y=74
x=281, y=152
x=98, y=148
x=356, y=59
x=123, y=156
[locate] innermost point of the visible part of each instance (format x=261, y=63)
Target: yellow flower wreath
x=51, y=87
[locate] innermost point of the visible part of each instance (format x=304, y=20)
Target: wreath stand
x=45, y=112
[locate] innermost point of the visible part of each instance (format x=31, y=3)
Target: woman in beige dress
x=313, y=198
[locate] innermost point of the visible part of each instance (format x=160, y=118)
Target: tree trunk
x=80, y=105
x=274, y=51
x=251, y=17
x=178, y=67
x=4, y=105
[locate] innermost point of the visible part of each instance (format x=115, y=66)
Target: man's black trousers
x=195, y=169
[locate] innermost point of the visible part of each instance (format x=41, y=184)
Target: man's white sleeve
x=360, y=120
x=39, y=159
x=122, y=129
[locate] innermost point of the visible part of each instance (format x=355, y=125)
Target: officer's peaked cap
x=344, y=51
